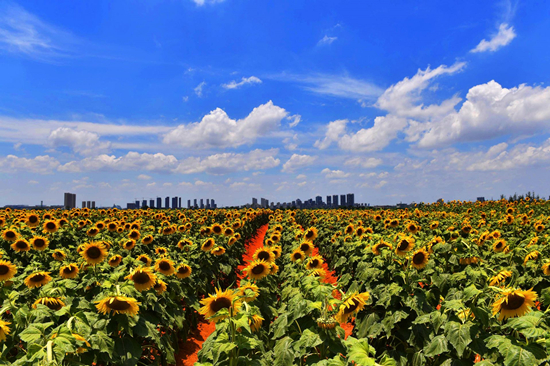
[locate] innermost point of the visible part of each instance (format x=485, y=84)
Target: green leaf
x=102, y=342
x=369, y=326
x=221, y=349
x=470, y=292
x=359, y=351
x=458, y=335
x=284, y=352
x=518, y=356
x=280, y=326
x=31, y=334
x=308, y=339
x=128, y=350
x=437, y=346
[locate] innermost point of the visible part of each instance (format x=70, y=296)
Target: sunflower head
x=264, y=253
x=513, y=303
x=248, y=292
x=161, y=251
x=315, y=262
x=69, y=271
x=255, y=322
x=118, y=305
x=258, y=269
x=93, y=231
x=216, y=229
x=165, y=266
x=7, y=270
x=208, y=244
x=297, y=254
x=352, y=305
x=311, y=234
x=160, y=287
x=183, y=271
x=144, y=259
x=499, y=245
x=147, y=239
x=54, y=303
x=419, y=259
x=33, y=220
x=143, y=278
x=129, y=244
x=228, y=231
x=94, y=252
x=50, y=226
x=232, y=240
x=115, y=260
x=306, y=247
x=39, y=243
x=21, y=245
x=37, y=279
x=218, y=251
x=134, y=234
x=4, y=330
x=225, y=300
x=404, y=245
x=377, y=247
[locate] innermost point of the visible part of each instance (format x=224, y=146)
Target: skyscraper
x=195, y=203
x=83, y=204
x=188, y=203
x=151, y=203
x=174, y=202
x=335, y=200
x=212, y=203
x=329, y=201
x=179, y=202
x=254, y=202
x=93, y=205
x=143, y=203
x=202, y=203
x=318, y=201
x=159, y=202
x=351, y=199
x=69, y=201
x=342, y=200
x=208, y=203
x=89, y=204
x=137, y=204
x=167, y=202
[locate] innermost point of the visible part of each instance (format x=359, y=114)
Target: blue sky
x=233, y=99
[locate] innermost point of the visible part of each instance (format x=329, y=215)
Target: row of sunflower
x=111, y=287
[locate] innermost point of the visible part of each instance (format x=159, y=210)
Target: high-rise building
x=335, y=200
x=130, y=206
x=69, y=201
x=174, y=202
x=179, y=202
x=195, y=203
x=83, y=204
x=151, y=203
x=351, y=199
x=254, y=202
x=212, y=203
x=202, y=203
x=93, y=205
x=342, y=200
x=89, y=204
x=167, y=202
x=188, y=203
x=329, y=201
x=318, y=201
x=137, y=205
x=159, y=202
x=143, y=203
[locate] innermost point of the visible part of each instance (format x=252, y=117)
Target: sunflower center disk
x=39, y=243
x=165, y=266
x=403, y=245
x=258, y=269
x=314, y=263
x=183, y=270
x=221, y=303
x=21, y=245
x=4, y=269
x=352, y=307
x=119, y=305
x=94, y=252
x=418, y=258
x=514, y=302
x=68, y=270
x=37, y=278
x=50, y=225
x=263, y=256
x=141, y=278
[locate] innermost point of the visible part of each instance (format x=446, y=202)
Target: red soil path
x=189, y=349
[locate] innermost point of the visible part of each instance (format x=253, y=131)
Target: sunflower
x=258, y=269
x=112, y=226
x=404, y=245
x=165, y=266
x=264, y=253
x=160, y=287
x=539, y=227
x=134, y=235
x=147, y=239
x=546, y=268
x=54, y=303
x=100, y=225
x=144, y=258
x=208, y=244
x=39, y=243
x=59, y=255
x=228, y=231
x=531, y=256
x=7, y=270
x=277, y=251
x=218, y=251
x=37, y=279
x=499, y=245
x=21, y=245
x=162, y=251
x=94, y=252
x=297, y=254
x=93, y=231
x=376, y=248
x=352, y=305
x=50, y=226
x=32, y=220
x=513, y=303
x=216, y=229
x=248, y=292
x=327, y=323
x=4, y=330
x=129, y=244
x=255, y=322
x=183, y=271
x=275, y=238
x=69, y=271
x=220, y=300
x=500, y=277
x=274, y=268
x=10, y=235
x=311, y=234
x=143, y=278
x=350, y=229
x=306, y=247
x=115, y=260
x=420, y=259
x=413, y=228
x=315, y=262
x=118, y=305
x=434, y=225
x=232, y=240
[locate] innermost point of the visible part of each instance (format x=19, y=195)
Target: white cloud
x=33, y=182
x=301, y=176
x=235, y=85
x=326, y=40
x=301, y=184
x=296, y=118
x=185, y=184
x=198, y=89
x=364, y=162
x=504, y=36
x=291, y=143
x=298, y=161
x=131, y=161
x=334, y=130
x=381, y=184
x=203, y=2
x=144, y=177
x=150, y=185
x=376, y=138
x=82, y=142
x=185, y=98
x=218, y=130
x=167, y=184
x=230, y=162
x=43, y=164
x=334, y=174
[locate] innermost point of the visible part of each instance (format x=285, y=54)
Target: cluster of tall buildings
x=174, y=202
x=343, y=200
x=69, y=202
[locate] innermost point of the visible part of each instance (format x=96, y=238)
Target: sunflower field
x=444, y=284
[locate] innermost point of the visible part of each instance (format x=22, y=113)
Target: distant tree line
x=516, y=197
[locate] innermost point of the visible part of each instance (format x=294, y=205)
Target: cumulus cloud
x=81, y=142
x=376, y=138
x=230, y=162
x=298, y=161
x=131, y=161
x=218, y=130
x=295, y=119
x=333, y=132
x=364, y=162
x=144, y=177
x=235, y=85
x=42, y=164
x=334, y=174
x=503, y=37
